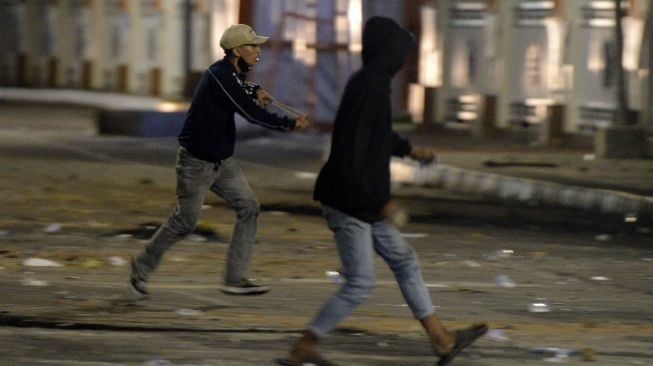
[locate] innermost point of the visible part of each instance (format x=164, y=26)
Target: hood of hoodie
x=385, y=45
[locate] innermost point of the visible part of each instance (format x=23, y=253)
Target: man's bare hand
x=302, y=122
x=263, y=97
x=423, y=154
x=395, y=214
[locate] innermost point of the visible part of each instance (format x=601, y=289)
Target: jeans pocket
x=189, y=165
x=190, y=170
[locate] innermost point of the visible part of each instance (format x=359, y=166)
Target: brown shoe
x=313, y=359
x=464, y=338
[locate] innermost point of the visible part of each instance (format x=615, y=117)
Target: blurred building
x=542, y=69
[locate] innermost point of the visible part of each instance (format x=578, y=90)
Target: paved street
x=79, y=205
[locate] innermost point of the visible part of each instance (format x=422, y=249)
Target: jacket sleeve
x=400, y=146
x=245, y=105
x=251, y=88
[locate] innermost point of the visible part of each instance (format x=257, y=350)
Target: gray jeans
x=195, y=178
x=357, y=241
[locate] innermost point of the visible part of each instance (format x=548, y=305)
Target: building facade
x=543, y=68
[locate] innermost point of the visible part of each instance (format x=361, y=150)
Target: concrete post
x=623, y=140
x=486, y=125
x=648, y=37
x=430, y=105
x=622, y=101
x=173, y=49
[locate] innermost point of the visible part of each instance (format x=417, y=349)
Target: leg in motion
x=193, y=180
x=354, y=241
x=232, y=186
x=404, y=263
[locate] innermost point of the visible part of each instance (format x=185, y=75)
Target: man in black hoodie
x=205, y=162
x=354, y=189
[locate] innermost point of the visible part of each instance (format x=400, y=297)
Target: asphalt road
x=70, y=196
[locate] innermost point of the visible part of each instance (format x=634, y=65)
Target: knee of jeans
x=248, y=209
x=358, y=289
x=408, y=265
x=181, y=226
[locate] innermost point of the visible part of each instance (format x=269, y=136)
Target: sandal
x=464, y=338
x=313, y=359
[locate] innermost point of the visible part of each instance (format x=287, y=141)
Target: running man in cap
x=205, y=162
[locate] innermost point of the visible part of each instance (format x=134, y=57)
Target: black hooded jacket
x=356, y=177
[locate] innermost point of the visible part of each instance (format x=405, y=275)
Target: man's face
x=250, y=53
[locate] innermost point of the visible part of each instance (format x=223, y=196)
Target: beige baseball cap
x=238, y=35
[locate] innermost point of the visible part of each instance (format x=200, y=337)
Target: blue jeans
x=356, y=241
x=195, y=178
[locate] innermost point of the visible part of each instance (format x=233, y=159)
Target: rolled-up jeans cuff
x=423, y=314
x=317, y=332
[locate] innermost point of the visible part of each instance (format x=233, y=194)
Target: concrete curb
x=97, y=99
x=144, y=123
x=147, y=123
x=528, y=190
x=122, y=114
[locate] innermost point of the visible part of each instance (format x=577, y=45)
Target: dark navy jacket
x=356, y=177
x=209, y=131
